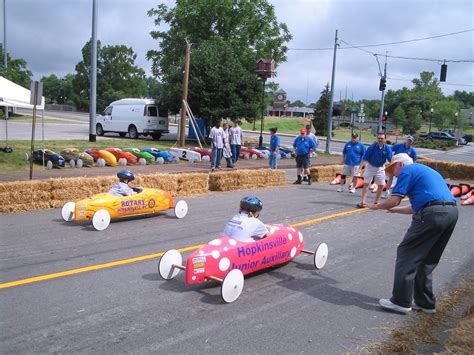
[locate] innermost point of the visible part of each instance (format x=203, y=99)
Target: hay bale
x=20, y=185
x=192, y=183
x=167, y=182
x=22, y=196
x=246, y=179
x=25, y=207
x=325, y=173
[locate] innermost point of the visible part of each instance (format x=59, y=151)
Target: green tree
x=413, y=121
x=465, y=99
x=220, y=85
x=444, y=113
x=16, y=71
x=320, y=116
x=117, y=76
x=58, y=90
x=297, y=103
x=398, y=117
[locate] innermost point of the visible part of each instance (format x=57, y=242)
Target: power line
x=430, y=59
x=440, y=83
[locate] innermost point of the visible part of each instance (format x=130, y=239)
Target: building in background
x=280, y=107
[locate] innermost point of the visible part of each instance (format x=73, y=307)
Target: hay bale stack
x=167, y=182
x=325, y=173
x=192, y=183
x=73, y=189
x=25, y=207
x=451, y=170
x=24, y=192
x=246, y=179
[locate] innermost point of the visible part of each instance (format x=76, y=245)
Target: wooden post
x=182, y=137
x=35, y=96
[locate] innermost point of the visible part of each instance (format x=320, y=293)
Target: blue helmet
x=125, y=175
x=251, y=204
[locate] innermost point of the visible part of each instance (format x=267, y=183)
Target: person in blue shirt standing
x=434, y=217
x=274, y=146
x=303, y=146
x=374, y=161
x=351, y=157
x=398, y=148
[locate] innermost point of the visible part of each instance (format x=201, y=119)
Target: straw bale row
x=325, y=173
x=246, y=179
x=451, y=170
x=53, y=193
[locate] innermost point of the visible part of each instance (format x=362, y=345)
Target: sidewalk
x=181, y=167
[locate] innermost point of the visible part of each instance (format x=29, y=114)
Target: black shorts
x=303, y=161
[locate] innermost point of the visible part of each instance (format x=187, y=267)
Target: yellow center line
x=146, y=257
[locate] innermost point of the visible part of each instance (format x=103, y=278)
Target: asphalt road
x=76, y=126
x=128, y=308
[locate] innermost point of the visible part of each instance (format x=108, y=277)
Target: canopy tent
x=14, y=95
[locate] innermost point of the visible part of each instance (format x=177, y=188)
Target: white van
x=133, y=116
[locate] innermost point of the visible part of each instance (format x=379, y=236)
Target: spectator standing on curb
x=303, y=146
x=236, y=140
x=312, y=135
x=434, y=216
x=274, y=148
x=398, y=148
x=351, y=157
x=226, y=150
x=217, y=144
x=374, y=160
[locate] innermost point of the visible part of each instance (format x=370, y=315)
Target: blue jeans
x=216, y=157
x=235, y=148
x=273, y=160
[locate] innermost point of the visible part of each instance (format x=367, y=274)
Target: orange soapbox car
x=101, y=208
x=227, y=260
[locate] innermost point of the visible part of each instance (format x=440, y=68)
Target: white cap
x=398, y=158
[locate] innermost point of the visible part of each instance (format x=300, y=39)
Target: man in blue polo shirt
x=303, y=146
x=274, y=146
x=374, y=161
x=435, y=214
x=398, y=148
x=351, y=157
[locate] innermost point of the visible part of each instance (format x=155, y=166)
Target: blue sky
x=49, y=34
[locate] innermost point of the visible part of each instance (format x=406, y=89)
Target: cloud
x=50, y=34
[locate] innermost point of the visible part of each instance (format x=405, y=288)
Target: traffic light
x=383, y=84
x=444, y=70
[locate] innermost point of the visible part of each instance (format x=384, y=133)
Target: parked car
x=467, y=138
x=441, y=136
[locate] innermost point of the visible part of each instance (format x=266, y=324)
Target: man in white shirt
x=217, y=145
x=236, y=140
x=245, y=226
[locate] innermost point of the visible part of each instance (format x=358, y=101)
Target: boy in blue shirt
x=274, y=146
x=434, y=216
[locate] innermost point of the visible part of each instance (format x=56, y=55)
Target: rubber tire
x=156, y=136
x=99, y=130
x=132, y=132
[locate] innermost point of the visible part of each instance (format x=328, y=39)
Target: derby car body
x=251, y=152
x=225, y=258
x=120, y=154
x=141, y=154
x=202, y=151
x=108, y=157
x=159, y=154
x=76, y=155
x=102, y=207
x=56, y=159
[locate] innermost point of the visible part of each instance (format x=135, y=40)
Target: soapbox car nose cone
x=232, y=286
x=321, y=256
x=67, y=211
x=180, y=209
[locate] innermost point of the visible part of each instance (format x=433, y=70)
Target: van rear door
x=154, y=121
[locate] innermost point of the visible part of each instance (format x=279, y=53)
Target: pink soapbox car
x=227, y=260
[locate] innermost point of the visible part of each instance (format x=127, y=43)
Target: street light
x=265, y=70
x=431, y=116
x=455, y=121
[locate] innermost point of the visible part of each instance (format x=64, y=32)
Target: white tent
x=14, y=95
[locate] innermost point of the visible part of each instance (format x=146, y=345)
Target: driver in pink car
x=245, y=226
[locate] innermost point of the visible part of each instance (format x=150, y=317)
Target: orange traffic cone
x=360, y=183
x=455, y=190
x=337, y=180
x=469, y=201
x=465, y=188
x=469, y=194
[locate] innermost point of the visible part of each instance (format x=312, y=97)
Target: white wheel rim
x=72, y=163
x=160, y=160
x=232, y=286
x=321, y=256
x=142, y=161
x=67, y=211
x=101, y=220
x=166, y=264
x=180, y=209
x=26, y=157
x=80, y=164
x=49, y=165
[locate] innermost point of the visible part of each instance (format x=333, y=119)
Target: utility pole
x=329, y=123
x=93, y=75
x=382, y=100
x=182, y=136
x=5, y=61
